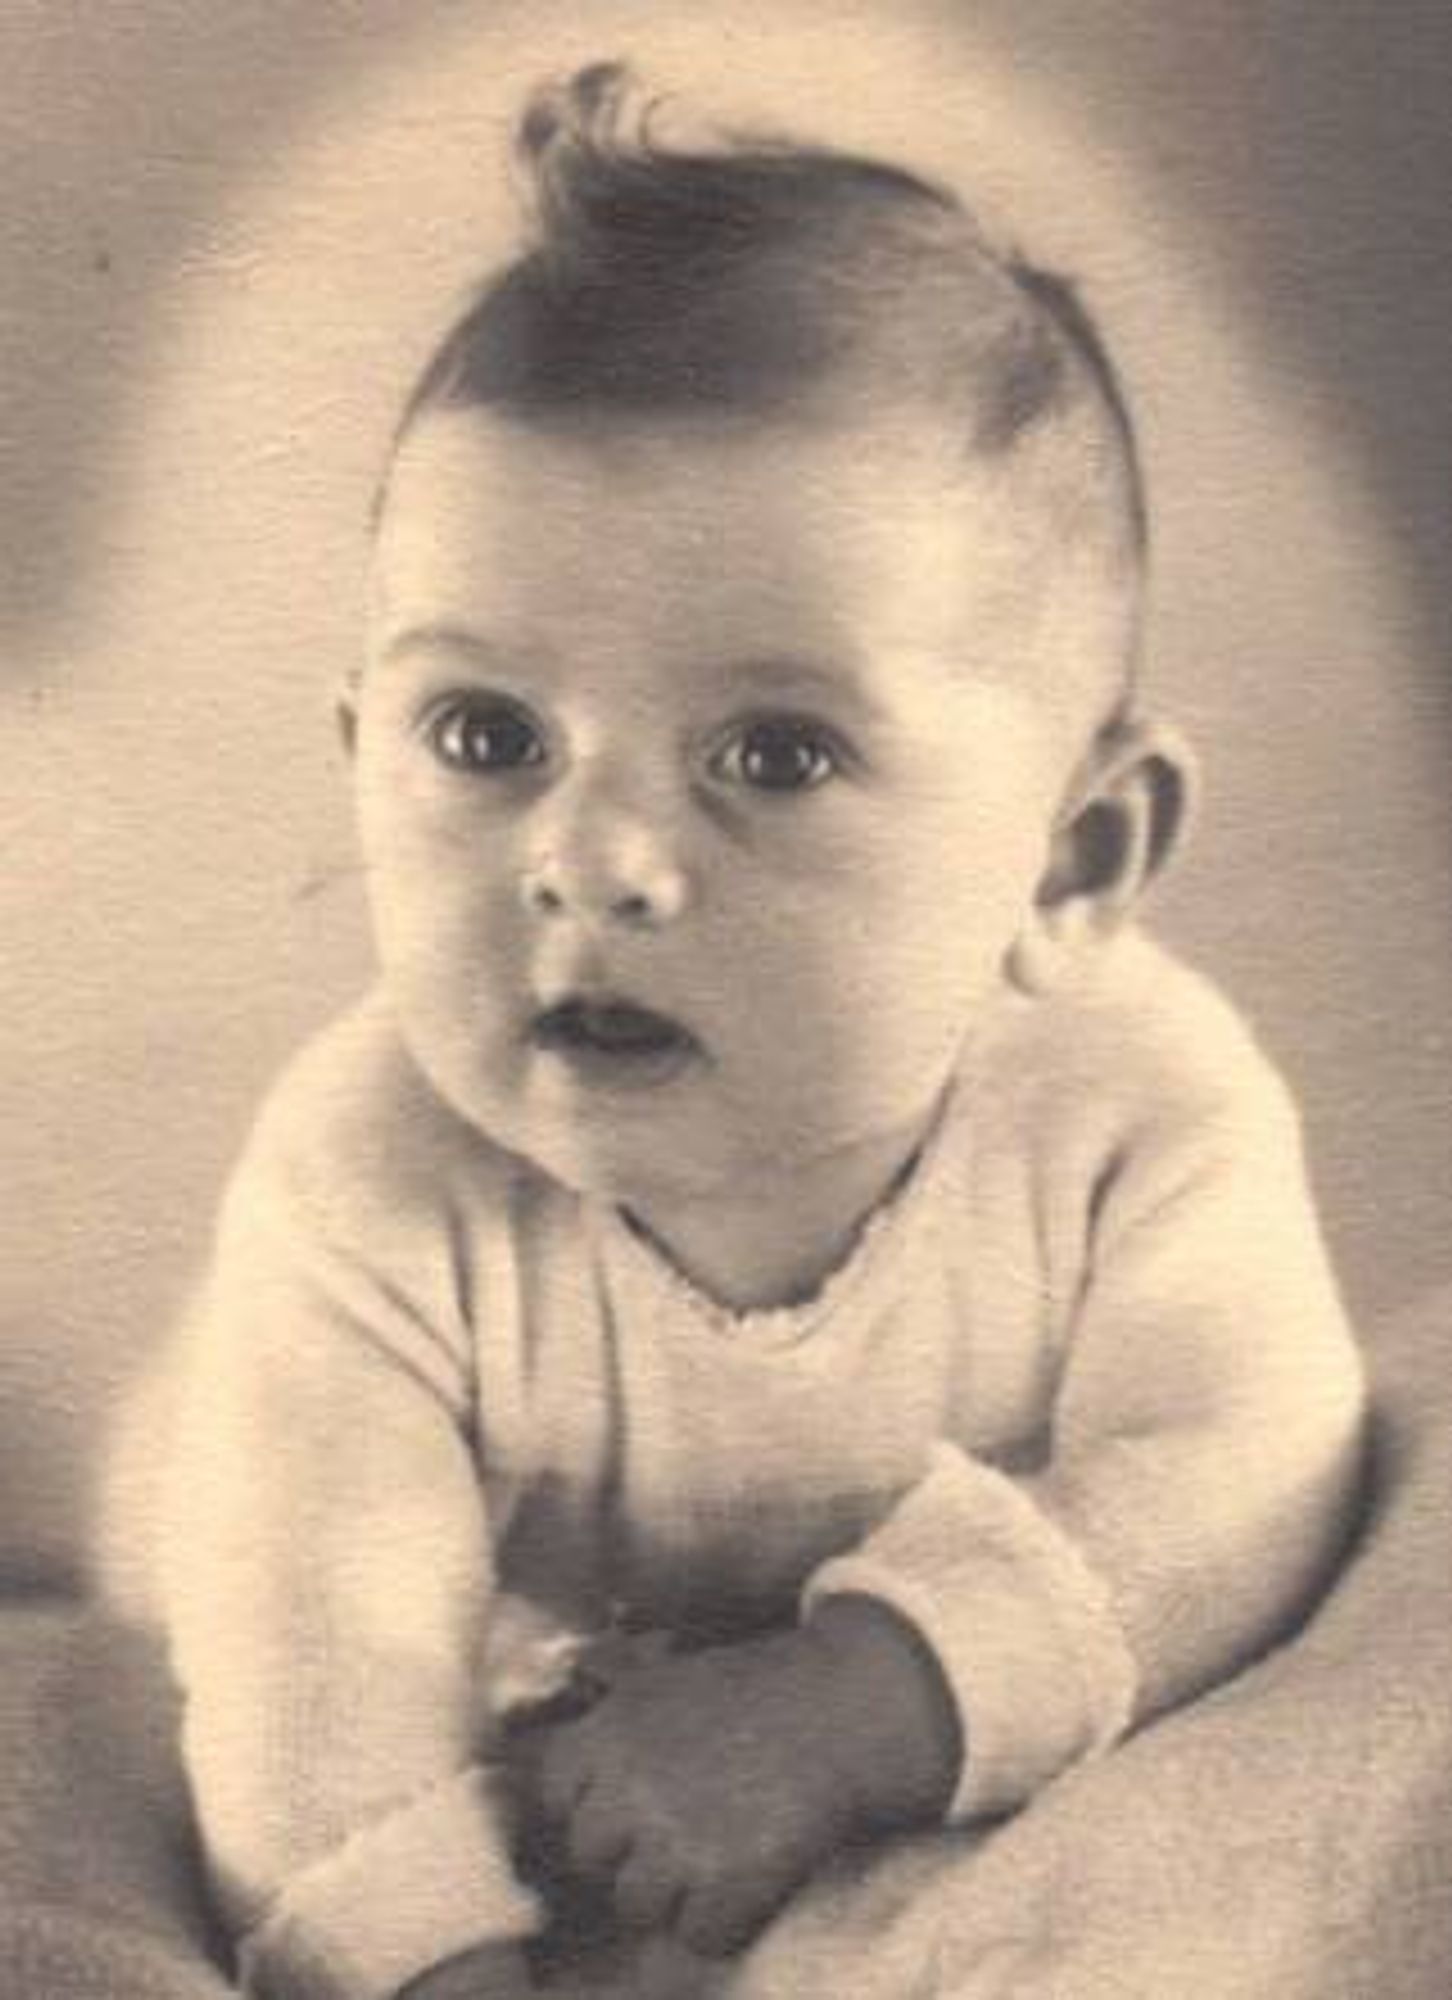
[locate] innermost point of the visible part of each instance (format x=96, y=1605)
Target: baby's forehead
x=696, y=499
x=864, y=494
x=864, y=549
x=886, y=455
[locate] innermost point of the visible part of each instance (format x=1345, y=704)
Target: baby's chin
x=623, y=1146
x=654, y=1162
x=689, y=1129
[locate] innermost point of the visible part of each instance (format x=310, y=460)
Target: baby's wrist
x=896, y=1733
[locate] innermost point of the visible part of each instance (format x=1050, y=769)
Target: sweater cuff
x=402, y=1895
x=1021, y=1627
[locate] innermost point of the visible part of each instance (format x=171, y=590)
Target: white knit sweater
x=1081, y=1405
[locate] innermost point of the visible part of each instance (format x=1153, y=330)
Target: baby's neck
x=778, y=1241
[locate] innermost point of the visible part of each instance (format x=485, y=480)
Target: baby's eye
x=484, y=733
x=778, y=754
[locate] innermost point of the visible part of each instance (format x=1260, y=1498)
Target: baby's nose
x=609, y=864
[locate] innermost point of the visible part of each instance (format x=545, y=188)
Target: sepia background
x=229, y=234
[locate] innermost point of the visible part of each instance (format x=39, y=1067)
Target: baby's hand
x=706, y=1787
x=491, y=1972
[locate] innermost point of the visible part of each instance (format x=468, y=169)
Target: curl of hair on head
x=771, y=278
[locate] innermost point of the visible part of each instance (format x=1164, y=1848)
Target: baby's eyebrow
x=446, y=645
x=442, y=636
x=785, y=679
x=792, y=678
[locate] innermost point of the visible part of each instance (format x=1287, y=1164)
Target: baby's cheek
x=430, y=909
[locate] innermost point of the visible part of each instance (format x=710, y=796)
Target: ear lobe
x=1125, y=814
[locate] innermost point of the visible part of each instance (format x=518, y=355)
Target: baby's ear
x=1125, y=813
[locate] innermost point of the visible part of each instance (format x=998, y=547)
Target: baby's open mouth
x=611, y=1032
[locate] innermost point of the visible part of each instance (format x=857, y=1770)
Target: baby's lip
x=609, y=1024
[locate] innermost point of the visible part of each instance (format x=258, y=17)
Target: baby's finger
x=561, y=1772
x=717, y=1922
x=599, y=1836
x=648, y=1889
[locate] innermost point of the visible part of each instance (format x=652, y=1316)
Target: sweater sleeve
x=1202, y=1451
x=327, y=1573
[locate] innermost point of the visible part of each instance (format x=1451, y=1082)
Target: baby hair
x=778, y=280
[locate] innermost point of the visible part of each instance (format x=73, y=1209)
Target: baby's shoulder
x=351, y=1127
x=1142, y=1040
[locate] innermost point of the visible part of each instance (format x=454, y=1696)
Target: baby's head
x=748, y=706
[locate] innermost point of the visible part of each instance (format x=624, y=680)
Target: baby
x=785, y=1319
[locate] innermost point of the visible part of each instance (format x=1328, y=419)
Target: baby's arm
x=326, y=1576
x=1201, y=1464
x=993, y=1630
